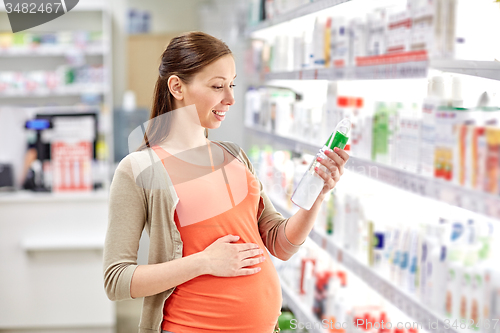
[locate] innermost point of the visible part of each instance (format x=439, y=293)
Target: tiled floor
x=127, y=316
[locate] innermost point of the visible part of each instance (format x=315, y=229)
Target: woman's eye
x=232, y=85
x=218, y=87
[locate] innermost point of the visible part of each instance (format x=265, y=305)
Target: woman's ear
x=175, y=86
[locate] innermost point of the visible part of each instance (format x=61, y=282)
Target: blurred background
x=410, y=233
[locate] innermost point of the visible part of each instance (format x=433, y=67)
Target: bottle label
x=339, y=140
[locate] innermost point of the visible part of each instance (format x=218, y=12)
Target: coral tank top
x=215, y=201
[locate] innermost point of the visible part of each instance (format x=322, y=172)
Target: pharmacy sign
x=26, y=14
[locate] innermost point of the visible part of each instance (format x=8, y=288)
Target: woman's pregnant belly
x=241, y=304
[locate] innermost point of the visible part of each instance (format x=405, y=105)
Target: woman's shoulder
x=137, y=162
x=236, y=151
x=232, y=147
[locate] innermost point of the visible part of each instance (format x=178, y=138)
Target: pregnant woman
x=208, y=218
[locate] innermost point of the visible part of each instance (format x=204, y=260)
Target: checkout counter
x=51, y=253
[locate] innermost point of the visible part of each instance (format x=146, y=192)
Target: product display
x=437, y=137
x=432, y=263
x=77, y=72
x=442, y=257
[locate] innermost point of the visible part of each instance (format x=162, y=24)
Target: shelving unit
x=399, y=298
x=400, y=70
x=438, y=189
x=296, y=13
x=53, y=51
x=69, y=90
x=93, y=15
x=409, y=65
x=60, y=237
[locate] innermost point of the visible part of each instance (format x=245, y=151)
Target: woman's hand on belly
x=225, y=259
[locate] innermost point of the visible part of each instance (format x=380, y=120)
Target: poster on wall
x=72, y=166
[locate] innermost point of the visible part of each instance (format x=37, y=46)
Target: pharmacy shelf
x=62, y=244
x=70, y=90
x=403, y=70
x=485, y=69
x=29, y=197
x=296, y=305
x=403, y=300
x=399, y=70
x=438, y=189
x=290, y=143
x=296, y=13
x=52, y=51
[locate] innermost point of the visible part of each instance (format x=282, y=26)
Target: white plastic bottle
x=428, y=133
x=311, y=183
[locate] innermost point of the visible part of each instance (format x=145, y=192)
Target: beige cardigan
x=142, y=196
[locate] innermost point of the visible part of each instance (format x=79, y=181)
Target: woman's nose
x=228, y=98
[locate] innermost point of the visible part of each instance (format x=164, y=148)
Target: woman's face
x=211, y=90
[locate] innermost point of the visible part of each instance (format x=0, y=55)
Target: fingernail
x=318, y=158
x=261, y=251
x=316, y=168
x=258, y=269
x=263, y=258
x=336, y=149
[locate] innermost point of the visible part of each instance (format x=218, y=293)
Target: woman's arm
x=124, y=279
x=221, y=258
x=283, y=237
x=153, y=279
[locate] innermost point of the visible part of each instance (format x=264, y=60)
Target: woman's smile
x=219, y=115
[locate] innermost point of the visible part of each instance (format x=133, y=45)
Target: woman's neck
x=185, y=132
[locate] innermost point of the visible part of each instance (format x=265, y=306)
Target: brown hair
x=185, y=56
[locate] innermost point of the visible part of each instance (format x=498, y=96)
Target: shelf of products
x=73, y=71
x=399, y=41
x=441, y=145
x=393, y=70
x=400, y=298
x=305, y=9
x=70, y=90
x=438, y=189
x=52, y=51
